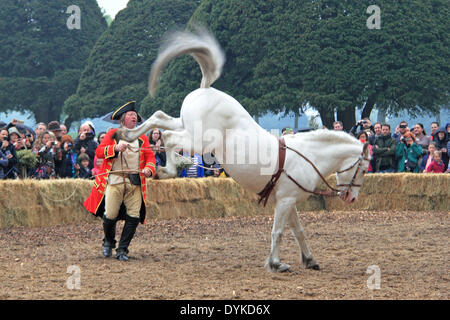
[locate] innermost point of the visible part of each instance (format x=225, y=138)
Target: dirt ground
x=224, y=259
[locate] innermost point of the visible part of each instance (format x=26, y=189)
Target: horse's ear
x=365, y=148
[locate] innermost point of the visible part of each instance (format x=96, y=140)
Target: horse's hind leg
x=298, y=232
x=158, y=120
x=282, y=209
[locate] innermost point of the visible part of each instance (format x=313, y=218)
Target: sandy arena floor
x=224, y=259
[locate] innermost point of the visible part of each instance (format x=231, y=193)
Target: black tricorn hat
x=129, y=106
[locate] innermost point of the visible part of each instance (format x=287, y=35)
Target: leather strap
x=265, y=193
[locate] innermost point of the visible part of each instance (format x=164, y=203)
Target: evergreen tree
x=286, y=54
x=118, y=67
x=41, y=56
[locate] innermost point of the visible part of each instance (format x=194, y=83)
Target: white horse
x=213, y=121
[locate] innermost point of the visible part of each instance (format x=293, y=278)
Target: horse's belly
x=249, y=177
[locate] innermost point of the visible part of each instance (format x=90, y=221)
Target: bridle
x=333, y=192
x=352, y=181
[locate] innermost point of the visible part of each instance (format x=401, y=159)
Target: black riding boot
x=129, y=229
x=109, y=242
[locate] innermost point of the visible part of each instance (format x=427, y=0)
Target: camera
x=69, y=145
x=364, y=121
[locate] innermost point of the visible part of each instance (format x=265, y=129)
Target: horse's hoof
x=277, y=267
x=283, y=267
x=310, y=263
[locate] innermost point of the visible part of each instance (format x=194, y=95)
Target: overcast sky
x=112, y=6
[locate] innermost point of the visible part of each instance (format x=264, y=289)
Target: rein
x=334, y=192
x=264, y=194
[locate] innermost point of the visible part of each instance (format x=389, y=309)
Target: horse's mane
x=329, y=136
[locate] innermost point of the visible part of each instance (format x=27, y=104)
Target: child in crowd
x=437, y=165
x=428, y=158
x=97, y=165
x=82, y=168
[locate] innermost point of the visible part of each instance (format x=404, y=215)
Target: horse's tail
x=202, y=46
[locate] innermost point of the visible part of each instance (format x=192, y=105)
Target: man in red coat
x=119, y=190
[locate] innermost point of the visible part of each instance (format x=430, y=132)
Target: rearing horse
x=212, y=121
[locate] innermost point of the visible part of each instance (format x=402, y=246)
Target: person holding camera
x=11, y=171
x=401, y=130
x=408, y=153
x=363, y=125
x=68, y=160
x=85, y=142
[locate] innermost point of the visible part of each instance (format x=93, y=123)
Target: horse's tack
x=265, y=193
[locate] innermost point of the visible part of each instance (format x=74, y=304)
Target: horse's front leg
x=299, y=234
x=283, y=208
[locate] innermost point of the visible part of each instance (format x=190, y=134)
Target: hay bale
x=36, y=203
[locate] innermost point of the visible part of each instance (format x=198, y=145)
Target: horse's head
x=350, y=179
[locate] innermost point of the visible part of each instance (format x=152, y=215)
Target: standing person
x=401, y=130
x=338, y=126
x=384, y=151
x=8, y=149
x=437, y=165
x=363, y=137
x=363, y=124
x=68, y=160
x=376, y=133
x=408, y=154
x=40, y=127
x=63, y=129
x=85, y=142
x=46, y=160
x=157, y=145
x=82, y=167
x=421, y=137
x=441, y=139
x=118, y=189
x=434, y=126
x=100, y=137
x=428, y=158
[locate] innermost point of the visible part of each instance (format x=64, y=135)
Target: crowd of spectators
x=49, y=152
x=404, y=150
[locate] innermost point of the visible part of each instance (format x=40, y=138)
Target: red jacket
x=95, y=203
x=436, y=167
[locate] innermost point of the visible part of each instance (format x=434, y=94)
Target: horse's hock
x=44, y=203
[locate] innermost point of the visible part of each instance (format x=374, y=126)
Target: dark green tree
x=118, y=67
x=286, y=55
x=43, y=52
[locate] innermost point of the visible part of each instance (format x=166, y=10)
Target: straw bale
x=50, y=202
